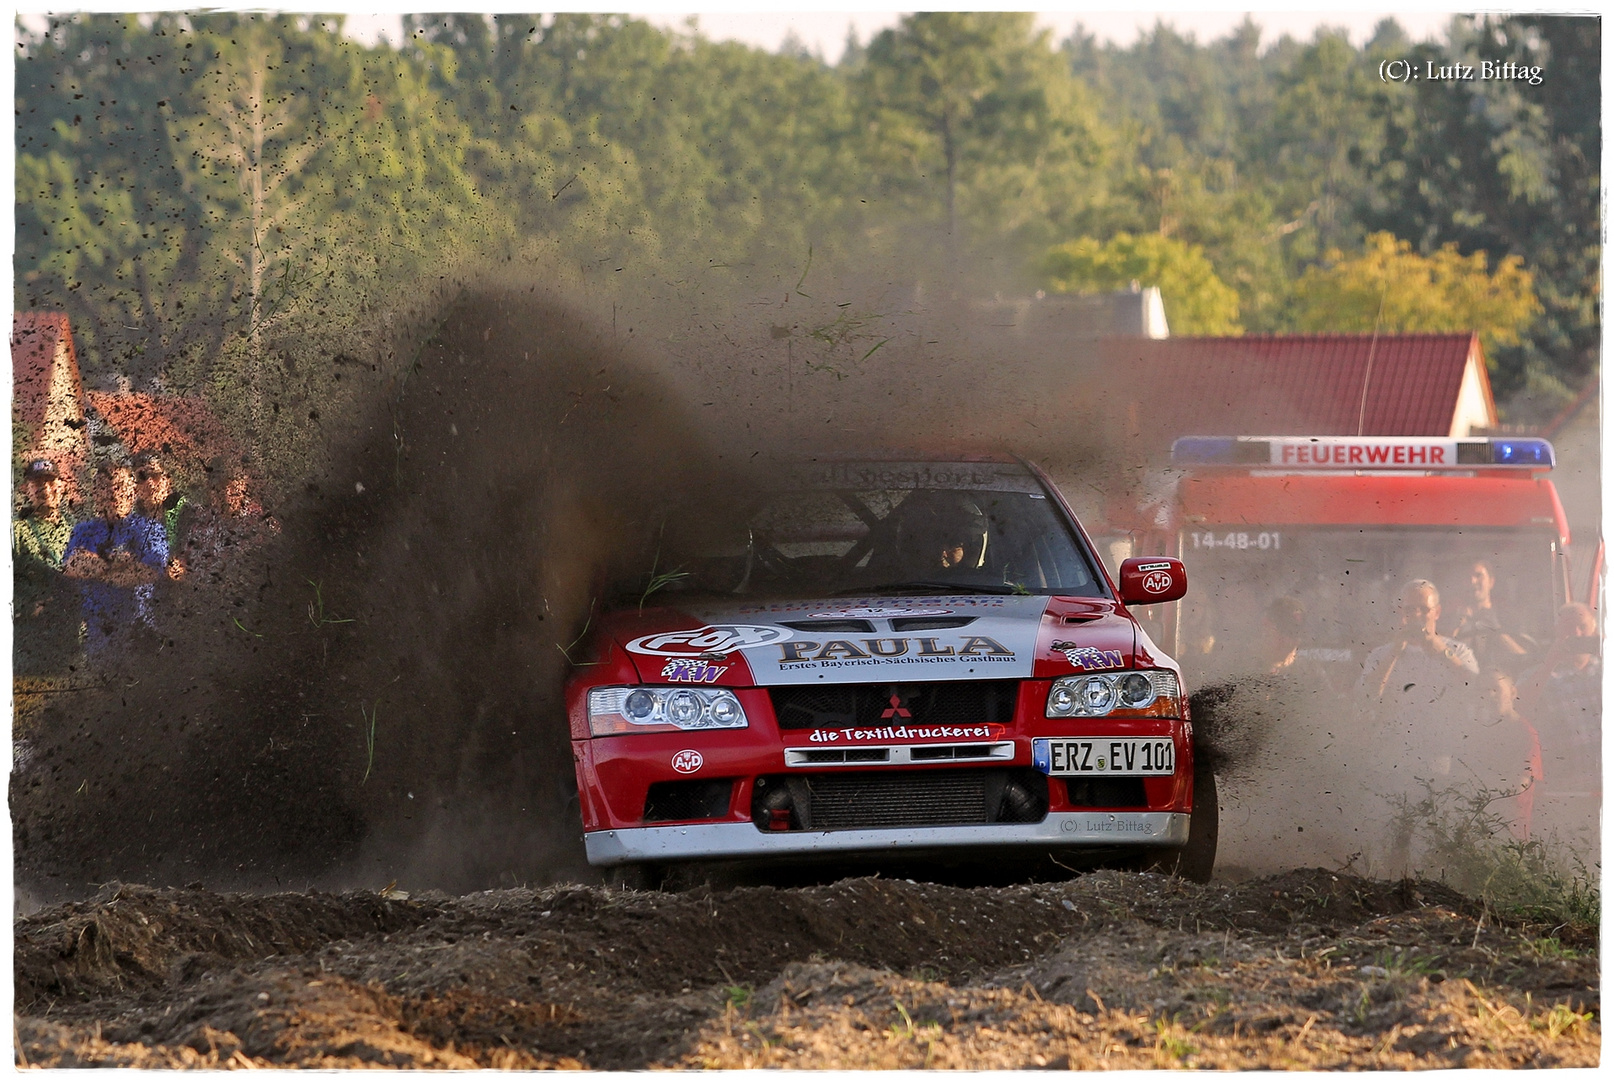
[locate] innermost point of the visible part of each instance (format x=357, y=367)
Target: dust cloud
x=375, y=695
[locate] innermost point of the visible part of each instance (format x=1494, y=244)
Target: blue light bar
x=1219, y=450
x=1533, y=452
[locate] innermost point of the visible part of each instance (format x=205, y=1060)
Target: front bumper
x=734, y=840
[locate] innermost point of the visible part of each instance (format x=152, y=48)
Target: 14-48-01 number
x=1239, y=541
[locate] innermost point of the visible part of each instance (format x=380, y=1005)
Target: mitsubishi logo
x=896, y=708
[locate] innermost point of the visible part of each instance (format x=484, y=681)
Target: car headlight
x=1100, y=695
x=620, y=710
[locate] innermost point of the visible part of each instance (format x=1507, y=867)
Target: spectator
x=1418, y=668
x=46, y=622
x=43, y=528
x=1516, y=747
x=1282, y=625
x=1562, y=697
x=1420, y=691
x=155, y=497
x=1480, y=627
x=153, y=492
x=111, y=555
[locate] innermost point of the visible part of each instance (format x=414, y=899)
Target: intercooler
x=907, y=799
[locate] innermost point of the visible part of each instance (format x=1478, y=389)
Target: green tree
x=1246, y=149
x=1390, y=287
x=1321, y=139
x=979, y=106
x=1511, y=168
x=624, y=143
x=106, y=228
x=1196, y=300
x=258, y=134
x=321, y=177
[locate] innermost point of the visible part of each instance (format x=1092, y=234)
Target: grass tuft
x=1469, y=845
x=316, y=608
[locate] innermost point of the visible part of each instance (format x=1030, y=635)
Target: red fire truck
x=1341, y=523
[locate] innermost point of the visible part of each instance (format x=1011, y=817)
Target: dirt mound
x=1316, y=898
x=244, y=1019
x=1110, y=969
x=135, y=937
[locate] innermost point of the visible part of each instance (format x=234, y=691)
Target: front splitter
x=741, y=839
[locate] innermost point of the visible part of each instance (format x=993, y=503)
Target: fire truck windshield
x=1346, y=581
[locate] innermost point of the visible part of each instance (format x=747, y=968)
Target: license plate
x=1104, y=757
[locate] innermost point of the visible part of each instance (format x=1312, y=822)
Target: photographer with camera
x=1417, y=667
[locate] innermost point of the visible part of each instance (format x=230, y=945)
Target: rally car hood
x=875, y=639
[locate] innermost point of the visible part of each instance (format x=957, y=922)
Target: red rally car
x=891, y=658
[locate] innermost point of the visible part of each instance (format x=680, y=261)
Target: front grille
x=961, y=752
x=871, y=704
x=837, y=756
x=861, y=800
x=688, y=800
x=850, y=802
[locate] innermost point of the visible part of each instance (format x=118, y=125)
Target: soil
x=1309, y=969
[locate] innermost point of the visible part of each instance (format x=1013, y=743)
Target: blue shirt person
x=112, y=556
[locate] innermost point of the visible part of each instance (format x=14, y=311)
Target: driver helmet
x=943, y=523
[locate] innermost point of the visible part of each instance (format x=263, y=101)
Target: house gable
x=47, y=393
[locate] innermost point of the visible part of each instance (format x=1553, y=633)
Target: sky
x=824, y=31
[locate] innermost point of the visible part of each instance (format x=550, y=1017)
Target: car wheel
x=1196, y=859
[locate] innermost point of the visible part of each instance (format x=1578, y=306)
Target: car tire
x=1196, y=859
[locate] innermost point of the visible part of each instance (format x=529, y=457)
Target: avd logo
x=687, y=761
x=1157, y=581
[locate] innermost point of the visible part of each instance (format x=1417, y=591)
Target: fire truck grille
x=885, y=800
x=871, y=704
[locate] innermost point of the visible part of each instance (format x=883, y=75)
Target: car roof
x=994, y=457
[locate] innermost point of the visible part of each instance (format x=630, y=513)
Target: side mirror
x=1154, y=579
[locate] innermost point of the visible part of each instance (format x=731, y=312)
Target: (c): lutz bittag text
x=1485, y=70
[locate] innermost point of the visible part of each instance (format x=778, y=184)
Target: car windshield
x=916, y=528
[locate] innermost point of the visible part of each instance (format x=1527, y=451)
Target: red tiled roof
x=1298, y=384
x=182, y=430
